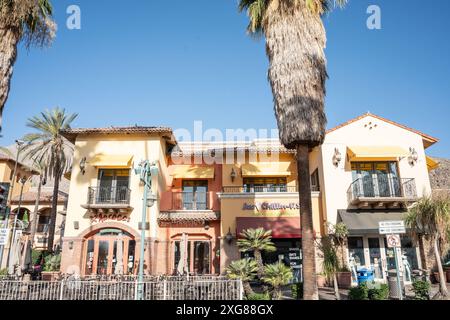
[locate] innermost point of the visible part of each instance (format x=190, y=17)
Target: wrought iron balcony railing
x=108, y=195
x=382, y=187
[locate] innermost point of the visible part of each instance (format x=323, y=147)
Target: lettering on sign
x=270, y=206
x=102, y=217
x=4, y=233
x=391, y=227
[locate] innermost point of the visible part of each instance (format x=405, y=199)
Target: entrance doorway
x=102, y=252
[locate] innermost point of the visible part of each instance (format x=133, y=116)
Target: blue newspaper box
x=365, y=275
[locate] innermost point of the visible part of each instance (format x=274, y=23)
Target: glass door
x=201, y=257
x=103, y=257
x=195, y=194
x=375, y=257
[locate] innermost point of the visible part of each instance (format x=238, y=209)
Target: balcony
x=108, y=200
x=382, y=192
x=259, y=189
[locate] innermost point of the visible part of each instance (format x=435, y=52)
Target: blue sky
x=150, y=63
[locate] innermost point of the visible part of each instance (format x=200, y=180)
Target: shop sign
x=391, y=227
x=4, y=233
x=270, y=206
x=393, y=241
x=295, y=257
x=101, y=217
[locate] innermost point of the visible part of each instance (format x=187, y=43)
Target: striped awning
x=111, y=161
x=371, y=153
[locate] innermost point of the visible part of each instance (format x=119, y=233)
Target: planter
x=344, y=279
x=321, y=281
x=49, y=275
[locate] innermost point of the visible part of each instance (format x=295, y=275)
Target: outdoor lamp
x=83, y=165
x=232, y=175
x=206, y=225
x=337, y=157
x=151, y=199
x=229, y=236
x=413, y=156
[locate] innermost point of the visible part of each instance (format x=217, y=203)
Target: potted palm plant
x=339, y=235
x=330, y=263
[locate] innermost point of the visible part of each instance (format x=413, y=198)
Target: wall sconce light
x=413, y=156
x=70, y=245
x=337, y=157
x=233, y=175
x=83, y=165
x=229, y=236
x=151, y=199
x=206, y=225
x=76, y=225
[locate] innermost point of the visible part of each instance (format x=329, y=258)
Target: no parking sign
x=393, y=241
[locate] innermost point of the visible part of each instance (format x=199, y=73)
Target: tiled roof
x=46, y=196
x=368, y=114
x=71, y=134
x=189, y=216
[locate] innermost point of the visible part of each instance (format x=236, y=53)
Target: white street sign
x=391, y=227
x=393, y=241
x=4, y=233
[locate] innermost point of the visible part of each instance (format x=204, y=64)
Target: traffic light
x=4, y=190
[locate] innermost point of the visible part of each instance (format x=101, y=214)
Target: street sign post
x=392, y=230
x=4, y=233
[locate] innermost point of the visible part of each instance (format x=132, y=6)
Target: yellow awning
x=431, y=163
x=264, y=169
x=193, y=172
x=68, y=175
x=111, y=161
x=372, y=153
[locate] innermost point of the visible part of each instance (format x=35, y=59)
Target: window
x=356, y=251
x=113, y=185
x=265, y=184
x=43, y=222
x=375, y=179
x=194, y=196
x=198, y=252
x=315, y=186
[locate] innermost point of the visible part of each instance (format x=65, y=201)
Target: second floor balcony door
x=113, y=185
x=375, y=179
x=195, y=194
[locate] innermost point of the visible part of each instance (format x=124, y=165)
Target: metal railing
x=109, y=195
x=190, y=200
x=382, y=187
x=167, y=289
x=258, y=189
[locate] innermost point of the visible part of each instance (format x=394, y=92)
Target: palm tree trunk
x=34, y=217
x=336, y=287
x=310, y=291
x=247, y=288
x=442, y=284
x=54, y=212
x=260, y=263
x=9, y=38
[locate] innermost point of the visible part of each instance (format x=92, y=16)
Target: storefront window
x=356, y=251
x=409, y=253
x=130, y=263
x=201, y=257
x=375, y=257
x=90, y=257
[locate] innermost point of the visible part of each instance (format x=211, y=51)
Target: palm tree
x=43, y=169
x=256, y=241
x=277, y=275
x=330, y=263
x=27, y=20
x=50, y=147
x=430, y=218
x=295, y=41
x=245, y=270
x=339, y=234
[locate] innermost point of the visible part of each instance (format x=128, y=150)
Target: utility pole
x=145, y=170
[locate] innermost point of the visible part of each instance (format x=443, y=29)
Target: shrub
x=52, y=262
x=361, y=292
x=380, y=293
x=421, y=290
x=297, y=290
x=4, y=272
x=258, y=296
x=36, y=256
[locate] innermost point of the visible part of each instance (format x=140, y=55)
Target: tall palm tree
x=295, y=41
x=48, y=146
x=245, y=270
x=43, y=169
x=27, y=20
x=277, y=275
x=430, y=218
x=256, y=241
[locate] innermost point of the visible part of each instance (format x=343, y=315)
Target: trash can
x=365, y=275
x=393, y=288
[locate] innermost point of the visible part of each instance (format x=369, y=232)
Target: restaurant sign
x=270, y=206
x=102, y=217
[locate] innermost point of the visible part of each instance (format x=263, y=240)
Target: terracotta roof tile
x=71, y=134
